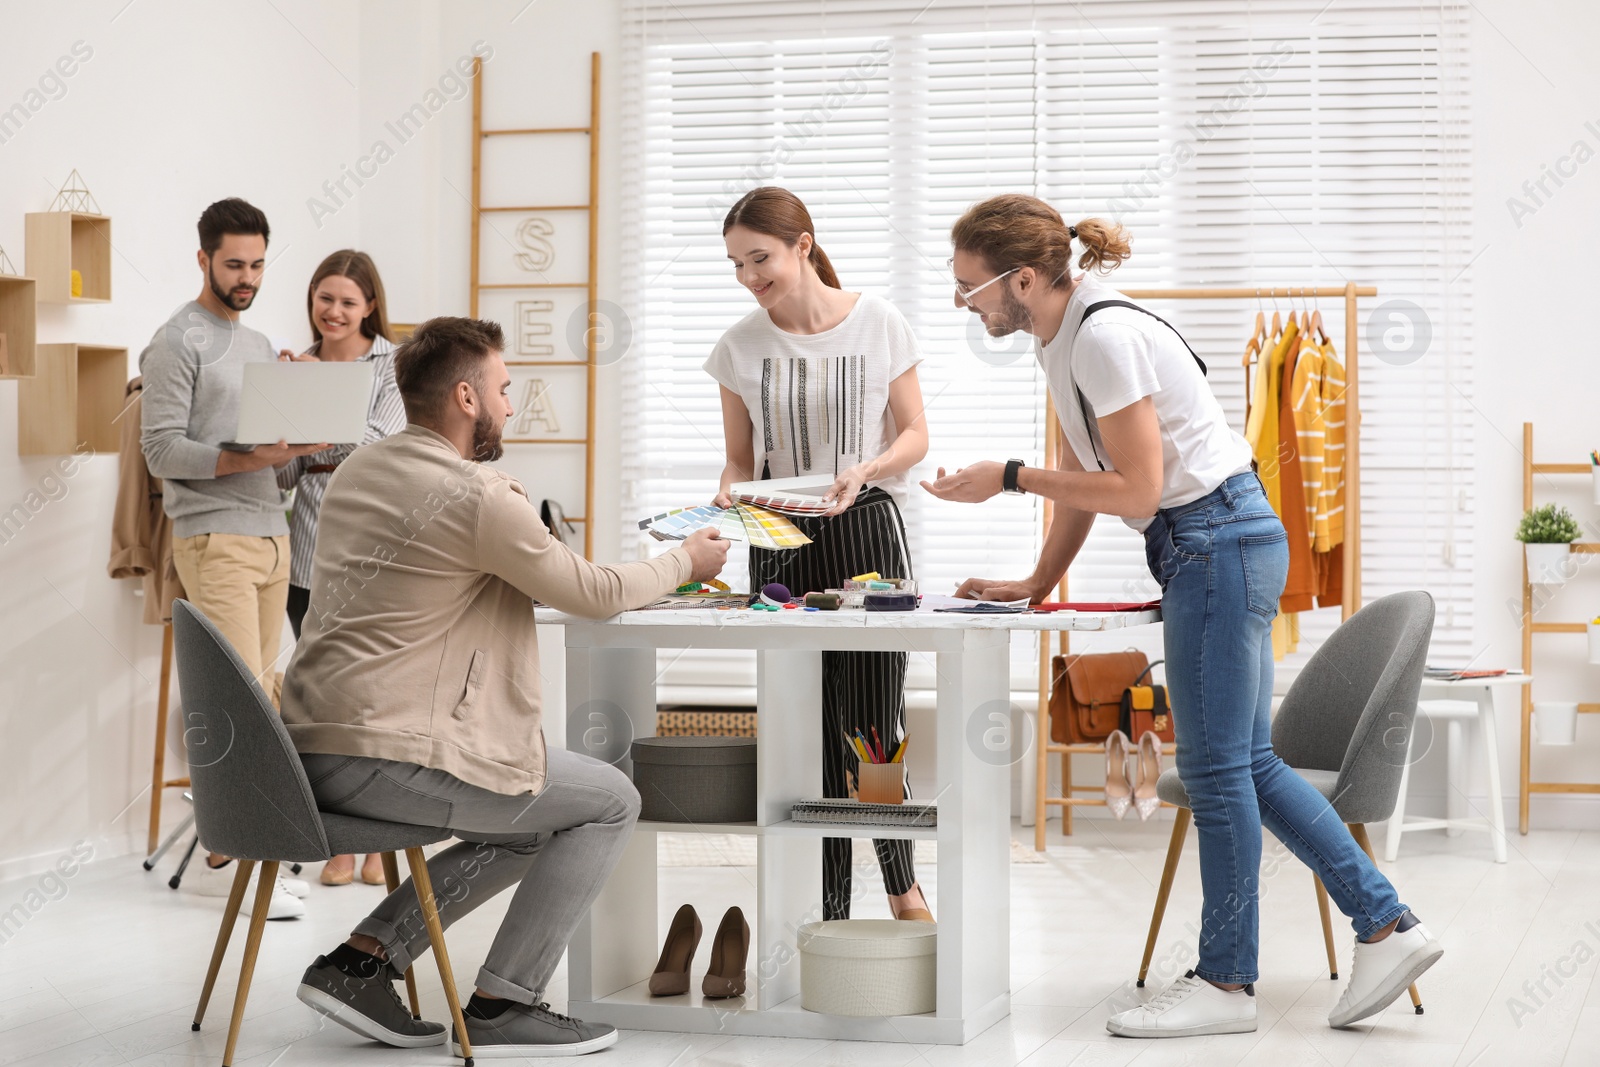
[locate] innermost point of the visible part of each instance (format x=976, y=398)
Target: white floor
x=109, y=972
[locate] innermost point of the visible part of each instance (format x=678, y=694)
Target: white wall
x=178, y=105
x=1537, y=92
x=182, y=103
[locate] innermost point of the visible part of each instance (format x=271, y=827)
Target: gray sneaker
x=523, y=1030
x=369, y=1006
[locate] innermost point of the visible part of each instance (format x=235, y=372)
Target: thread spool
x=823, y=601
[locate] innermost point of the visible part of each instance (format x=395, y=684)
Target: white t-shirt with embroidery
x=819, y=402
x=1120, y=356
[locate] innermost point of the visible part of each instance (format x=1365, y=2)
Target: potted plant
x=1547, y=534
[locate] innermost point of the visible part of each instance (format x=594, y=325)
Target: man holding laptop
x=230, y=541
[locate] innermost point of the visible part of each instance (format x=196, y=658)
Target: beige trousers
x=241, y=584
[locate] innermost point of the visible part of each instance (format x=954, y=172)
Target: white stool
x=1456, y=703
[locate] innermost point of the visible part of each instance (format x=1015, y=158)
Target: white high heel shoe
x=1149, y=758
x=1118, y=796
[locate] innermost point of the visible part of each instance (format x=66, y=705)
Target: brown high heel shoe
x=372, y=869
x=671, y=976
x=729, y=950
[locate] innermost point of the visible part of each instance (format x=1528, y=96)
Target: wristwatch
x=1008, y=483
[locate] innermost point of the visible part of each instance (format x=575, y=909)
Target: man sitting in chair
x=414, y=697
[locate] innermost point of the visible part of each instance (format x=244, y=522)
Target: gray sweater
x=193, y=370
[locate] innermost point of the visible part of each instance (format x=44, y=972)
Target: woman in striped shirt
x=350, y=323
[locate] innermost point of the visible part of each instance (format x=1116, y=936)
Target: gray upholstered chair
x=1344, y=727
x=252, y=802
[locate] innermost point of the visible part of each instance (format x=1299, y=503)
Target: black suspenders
x=1089, y=421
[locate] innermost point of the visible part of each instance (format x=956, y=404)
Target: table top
x=1476, y=683
x=791, y=618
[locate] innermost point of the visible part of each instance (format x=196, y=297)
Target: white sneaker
x=204, y=880
x=1381, y=971
x=1187, y=1008
x=283, y=905
x=298, y=886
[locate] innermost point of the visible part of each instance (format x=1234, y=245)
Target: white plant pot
x=1557, y=721
x=1594, y=642
x=1547, y=563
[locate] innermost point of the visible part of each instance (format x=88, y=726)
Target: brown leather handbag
x=1086, y=694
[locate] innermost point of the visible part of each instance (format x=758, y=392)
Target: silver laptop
x=303, y=404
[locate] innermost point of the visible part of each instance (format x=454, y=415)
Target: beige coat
x=141, y=533
x=419, y=645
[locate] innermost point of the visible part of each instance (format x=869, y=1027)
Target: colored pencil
x=899, y=753
x=878, y=745
x=853, y=746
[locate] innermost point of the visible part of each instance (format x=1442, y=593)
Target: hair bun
x=1072, y=231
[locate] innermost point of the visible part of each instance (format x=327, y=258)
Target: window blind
x=1288, y=143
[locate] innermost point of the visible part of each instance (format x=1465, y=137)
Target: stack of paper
x=853, y=812
x=742, y=522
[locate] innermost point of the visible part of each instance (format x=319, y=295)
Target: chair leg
x=265, y=885
x=1066, y=791
x=230, y=916
x=1180, y=829
x=1359, y=832
x=391, y=882
x=1327, y=929
x=430, y=918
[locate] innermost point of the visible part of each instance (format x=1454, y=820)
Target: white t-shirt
x=819, y=402
x=1121, y=356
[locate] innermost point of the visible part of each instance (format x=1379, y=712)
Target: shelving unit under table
x=611, y=698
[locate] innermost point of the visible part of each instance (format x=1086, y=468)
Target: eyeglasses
x=966, y=294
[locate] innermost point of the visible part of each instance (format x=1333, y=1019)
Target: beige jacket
x=141, y=533
x=419, y=644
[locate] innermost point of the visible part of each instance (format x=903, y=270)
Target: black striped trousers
x=860, y=690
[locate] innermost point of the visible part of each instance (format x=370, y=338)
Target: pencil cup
x=881, y=783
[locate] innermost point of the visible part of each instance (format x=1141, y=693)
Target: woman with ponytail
x=821, y=381
x=1150, y=443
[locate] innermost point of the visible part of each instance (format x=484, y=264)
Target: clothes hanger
x=1316, y=322
x=1252, y=348
x=1277, y=320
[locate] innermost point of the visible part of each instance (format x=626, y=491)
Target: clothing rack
x=1055, y=441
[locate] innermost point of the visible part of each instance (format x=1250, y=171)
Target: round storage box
x=868, y=967
x=695, y=779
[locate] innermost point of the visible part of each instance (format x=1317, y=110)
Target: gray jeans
x=557, y=848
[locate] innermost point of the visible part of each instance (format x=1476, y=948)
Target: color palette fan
x=742, y=522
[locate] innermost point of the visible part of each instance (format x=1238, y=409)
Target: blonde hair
x=1015, y=230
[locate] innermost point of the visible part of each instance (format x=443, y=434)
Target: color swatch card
x=742, y=522
x=787, y=496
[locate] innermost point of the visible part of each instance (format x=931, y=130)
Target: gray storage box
x=696, y=779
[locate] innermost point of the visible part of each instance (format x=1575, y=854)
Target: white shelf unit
x=611, y=671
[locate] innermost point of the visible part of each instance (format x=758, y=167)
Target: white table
x=611, y=699
x=1457, y=703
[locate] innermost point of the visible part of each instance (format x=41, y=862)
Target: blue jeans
x=1222, y=562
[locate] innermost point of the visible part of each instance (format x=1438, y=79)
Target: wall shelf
x=17, y=324
x=72, y=400
x=60, y=242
